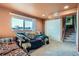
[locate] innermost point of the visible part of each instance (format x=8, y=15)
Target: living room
x=30, y=29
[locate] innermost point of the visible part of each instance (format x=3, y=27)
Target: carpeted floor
x=65, y=49
x=57, y=49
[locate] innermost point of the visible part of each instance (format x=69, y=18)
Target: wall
x=40, y=25
x=5, y=24
x=77, y=34
x=53, y=28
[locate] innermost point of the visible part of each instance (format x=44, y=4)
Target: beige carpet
x=43, y=49
x=56, y=49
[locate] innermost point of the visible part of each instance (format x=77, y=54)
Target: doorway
x=70, y=27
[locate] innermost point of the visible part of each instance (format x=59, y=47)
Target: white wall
x=53, y=28
x=77, y=32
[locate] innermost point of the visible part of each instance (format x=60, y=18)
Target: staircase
x=70, y=36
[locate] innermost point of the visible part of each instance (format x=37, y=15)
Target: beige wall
x=40, y=25
x=5, y=25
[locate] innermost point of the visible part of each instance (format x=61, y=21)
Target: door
x=53, y=28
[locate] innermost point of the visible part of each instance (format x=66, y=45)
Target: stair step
x=72, y=34
x=71, y=41
x=70, y=37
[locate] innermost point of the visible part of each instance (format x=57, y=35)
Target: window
x=20, y=24
x=69, y=20
x=17, y=24
x=28, y=25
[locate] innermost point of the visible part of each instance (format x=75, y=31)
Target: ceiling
x=38, y=9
